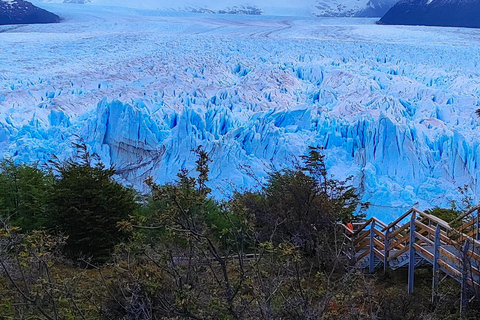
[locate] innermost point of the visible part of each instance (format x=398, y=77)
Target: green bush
x=87, y=205
x=24, y=195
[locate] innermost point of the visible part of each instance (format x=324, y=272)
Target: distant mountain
x=352, y=8
x=76, y=1
x=320, y=8
x=247, y=10
x=446, y=13
x=23, y=12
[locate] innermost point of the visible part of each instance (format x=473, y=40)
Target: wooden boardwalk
x=419, y=239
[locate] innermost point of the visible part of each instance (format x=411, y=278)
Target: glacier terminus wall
x=392, y=106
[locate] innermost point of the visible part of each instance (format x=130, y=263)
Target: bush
x=302, y=206
x=87, y=205
x=24, y=195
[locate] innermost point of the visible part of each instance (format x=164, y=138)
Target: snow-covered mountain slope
x=353, y=8
x=393, y=106
x=24, y=12
x=322, y=8
x=448, y=13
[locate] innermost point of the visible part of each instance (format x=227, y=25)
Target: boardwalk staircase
x=417, y=239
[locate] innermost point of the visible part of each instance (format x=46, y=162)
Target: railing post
x=477, y=225
x=436, y=267
x=465, y=267
x=411, y=265
x=372, y=245
x=386, y=249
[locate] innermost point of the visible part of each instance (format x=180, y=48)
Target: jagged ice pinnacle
x=393, y=106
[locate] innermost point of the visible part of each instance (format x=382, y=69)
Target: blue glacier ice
x=392, y=106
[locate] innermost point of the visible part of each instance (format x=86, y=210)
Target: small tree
x=303, y=205
x=24, y=194
x=87, y=205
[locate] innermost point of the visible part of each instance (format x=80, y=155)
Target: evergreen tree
x=303, y=205
x=24, y=195
x=88, y=204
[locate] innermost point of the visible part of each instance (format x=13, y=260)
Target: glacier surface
x=393, y=106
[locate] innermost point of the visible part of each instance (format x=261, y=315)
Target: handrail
x=466, y=225
x=380, y=222
x=362, y=227
x=367, y=223
x=393, y=234
x=429, y=237
x=435, y=219
x=443, y=235
x=403, y=216
x=474, y=208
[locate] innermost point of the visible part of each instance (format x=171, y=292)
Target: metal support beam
x=436, y=267
x=411, y=265
x=465, y=269
x=372, y=244
x=386, y=250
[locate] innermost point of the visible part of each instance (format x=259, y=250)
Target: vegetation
x=87, y=205
x=24, y=194
x=273, y=253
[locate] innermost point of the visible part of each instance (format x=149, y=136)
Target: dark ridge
x=24, y=12
x=443, y=13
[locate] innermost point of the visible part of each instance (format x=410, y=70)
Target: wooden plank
x=464, y=237
x=474, y=255
x=399, y=242
x=435, y=219
x=395, y=232
x=380, y=223
x=450, y=255
x=367, y=223
x=443, y=234
x=379, y=244
x=403, y=216
x=450, y=269
x=363, y=245
x=466, y=225
x=379, y=234
x=469, y=212
x=472, y=233
x=424, y=251
x=361, y=237
x=423, y=238
x=378, y=253
x=363, y=255
x=398, y=253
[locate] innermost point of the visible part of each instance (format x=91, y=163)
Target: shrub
x=87, y=205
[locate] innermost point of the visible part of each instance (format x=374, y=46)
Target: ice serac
x=24, y=12
x=445, y=13
x=394, y=165
x=390, y=107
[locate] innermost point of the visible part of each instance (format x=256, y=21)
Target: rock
x=23, y=12
x=446, y=13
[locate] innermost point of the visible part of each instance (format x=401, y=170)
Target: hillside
x=450, y=13
x=24, y=12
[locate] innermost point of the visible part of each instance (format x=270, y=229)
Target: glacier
x=393, y=106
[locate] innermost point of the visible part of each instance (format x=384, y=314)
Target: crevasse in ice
x=394, y=107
